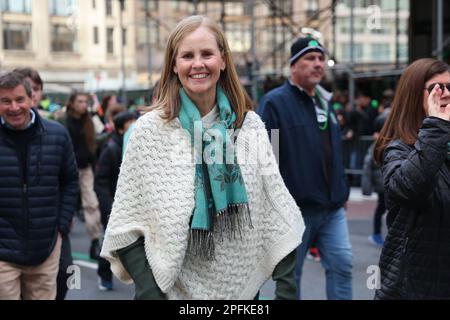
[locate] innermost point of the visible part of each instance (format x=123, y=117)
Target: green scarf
x=220, y=194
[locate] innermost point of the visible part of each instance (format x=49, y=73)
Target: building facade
x=75, y=44
x=84, y=44
x=375, y=40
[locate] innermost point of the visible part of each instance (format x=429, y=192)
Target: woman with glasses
x=414, y=151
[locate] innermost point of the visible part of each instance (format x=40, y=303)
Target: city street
x=356, y=90
x=365, y=254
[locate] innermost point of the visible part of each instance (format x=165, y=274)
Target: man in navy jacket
x=38, y=193
x=310, y=162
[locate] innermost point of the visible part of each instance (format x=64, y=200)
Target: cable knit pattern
x=155, y=199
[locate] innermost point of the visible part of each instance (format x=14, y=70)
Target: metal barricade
x=353, y=152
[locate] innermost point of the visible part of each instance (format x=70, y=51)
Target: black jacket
x=107, y=173
x=78, y=136
x=415, y=260
x=37, y=197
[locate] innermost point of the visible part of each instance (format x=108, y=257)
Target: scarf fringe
x=229, y=222
x=201, y=244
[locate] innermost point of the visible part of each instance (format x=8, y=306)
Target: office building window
x=153, y=6
x=16, y=36
x=64, y=39
x=17, y=6
x=62, y=7
x=383, y=4
x=403, y=52
x=357, y=3
x=233, y=8
x=239, y=37
x=391, y=5
x=359, y=25
x=108, y=7
x=357, y=52
x=182, y=6
x=154, y=37
x=277, y=7
x=96, y=35
x=312, y=8
x=380, y=52
x=124, y=36
x=110, y=40
x=361, y=3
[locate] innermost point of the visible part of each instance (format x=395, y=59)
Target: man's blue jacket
x=301, y=152
x=38, y=196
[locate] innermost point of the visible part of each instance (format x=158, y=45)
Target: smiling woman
x=198, y=67
x=203, y=229
x=197, y=50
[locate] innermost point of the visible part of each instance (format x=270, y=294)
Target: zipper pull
x=25, y=188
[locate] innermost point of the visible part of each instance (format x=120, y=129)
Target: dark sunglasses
x=442, y=86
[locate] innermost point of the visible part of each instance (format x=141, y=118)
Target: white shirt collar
x=32, y=121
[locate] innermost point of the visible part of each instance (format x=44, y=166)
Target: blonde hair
x=168, y=98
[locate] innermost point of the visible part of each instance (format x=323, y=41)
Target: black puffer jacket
x=107, y=173
x=37, y=198
x=415, y=261
x=78, y=136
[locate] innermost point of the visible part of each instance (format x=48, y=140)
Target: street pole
x=440, y=29
x=397, y=34
x=351, y=79
x=333, y=21
x=149, y=48
x=222, y=15
x=122, y=52
x=254, y=62
x=274, y=36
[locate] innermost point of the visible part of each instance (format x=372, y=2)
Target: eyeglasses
x=442, y=86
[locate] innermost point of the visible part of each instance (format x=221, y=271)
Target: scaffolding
x=279, y=21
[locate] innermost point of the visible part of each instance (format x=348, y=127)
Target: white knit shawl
x=155, y=199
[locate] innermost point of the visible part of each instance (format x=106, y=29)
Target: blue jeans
x=330, y=230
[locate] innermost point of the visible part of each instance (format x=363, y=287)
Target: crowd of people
x=191, y=202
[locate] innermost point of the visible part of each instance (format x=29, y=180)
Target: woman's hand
x=438, y=107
